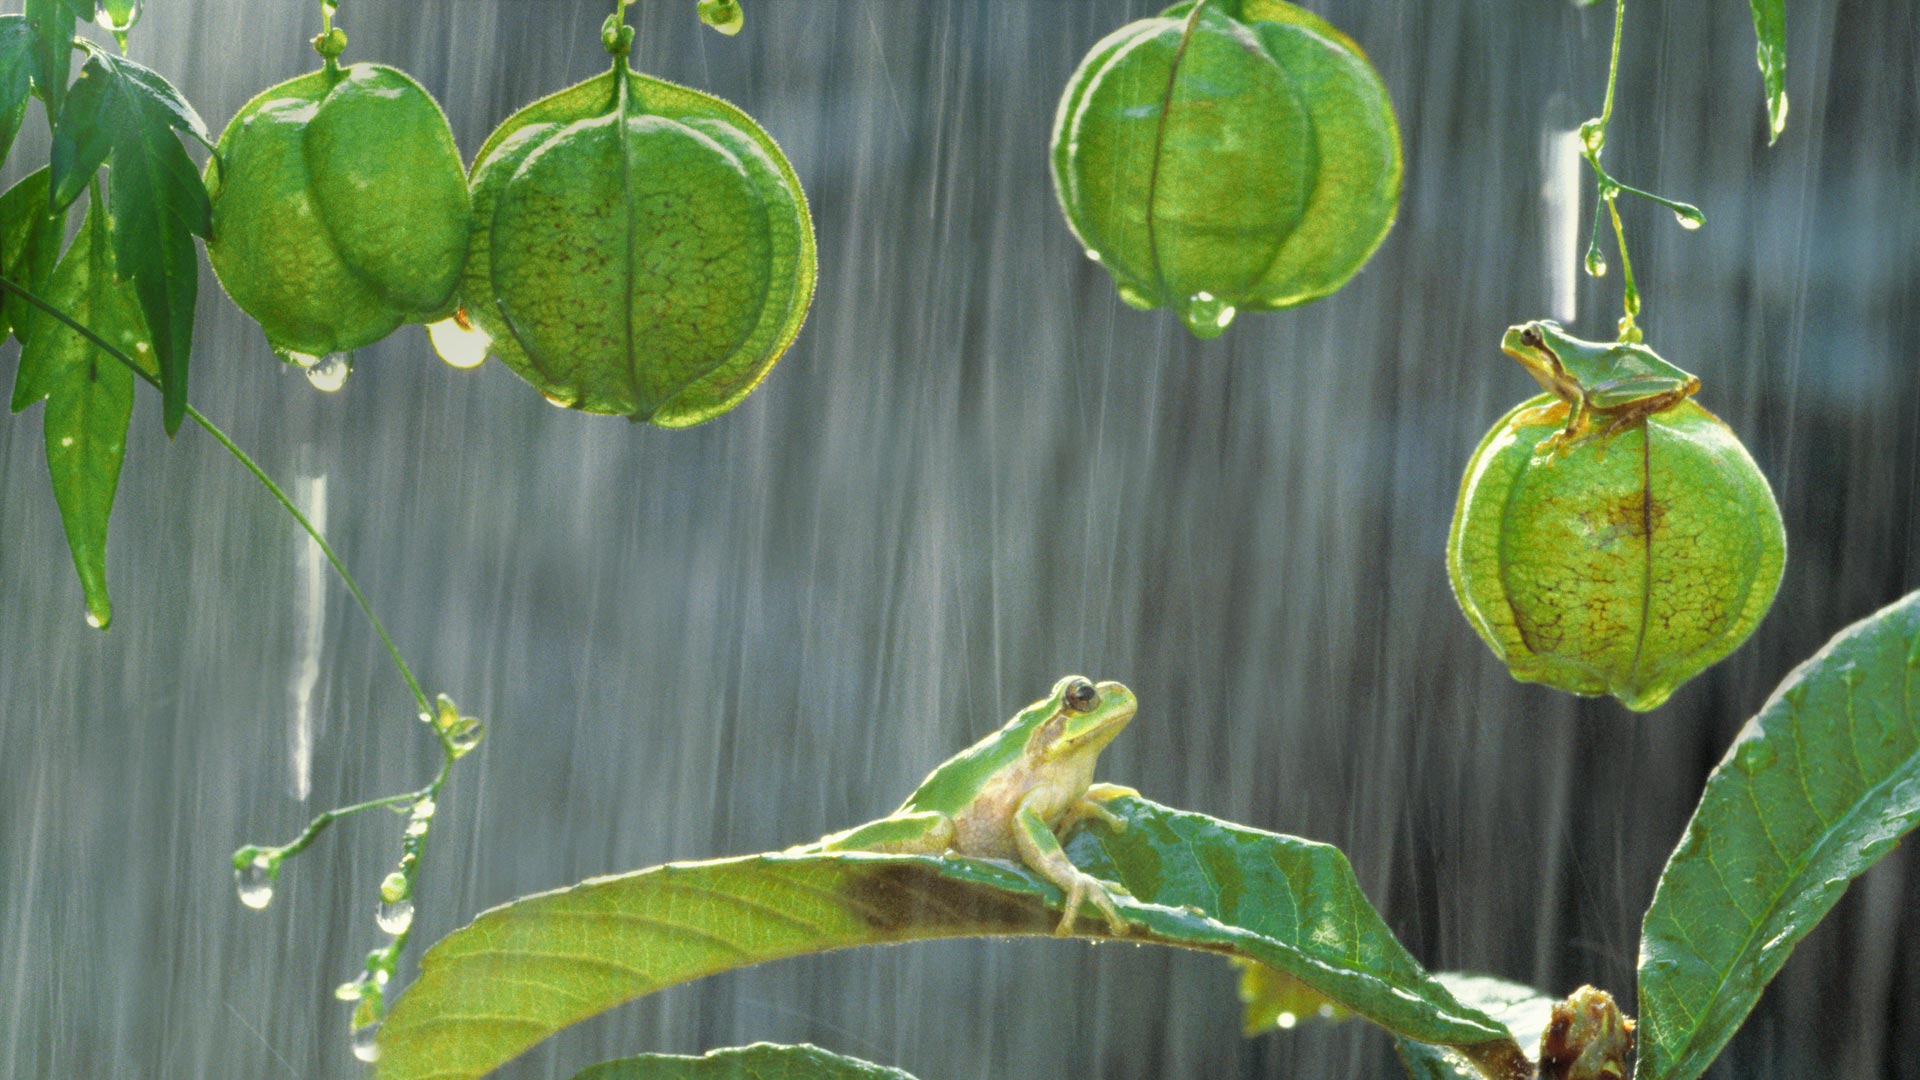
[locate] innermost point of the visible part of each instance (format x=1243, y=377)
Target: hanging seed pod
x=640, y=249
x=1228, y=155
x=340, y=209
x=1620, y=564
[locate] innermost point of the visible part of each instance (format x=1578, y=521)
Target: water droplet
x=1093, y=255
x=422, y=818
x=330, y=372
x=1596, y=263
x=1780, y=115
x=463, y=739
x=1287, y=1021
x=1753, y=756
x=351, y=991
x=96, y=621
x=117, y=17
x=558, y=401
x=298, y=359
x=366, y=1042
x=459, y=342
x=394, y=917
x=1136, y=298
x=254, y=880
x=1690, y=218
x=1206, y=315
x=394, y=887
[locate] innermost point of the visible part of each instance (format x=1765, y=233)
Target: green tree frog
x=1015, y=793
x=1618, y=381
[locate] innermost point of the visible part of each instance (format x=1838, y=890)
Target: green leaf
x=16, y=76
x=523, y=971
x=1770, y=27
x=1522, y=1009
x=89, y=397
x=121, y=111
x=28, y=247
x=52, y=23
x=1271, y=999
x=1818, y=786
x=761, y=1061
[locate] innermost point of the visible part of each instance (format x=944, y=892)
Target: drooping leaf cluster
x=130, y=276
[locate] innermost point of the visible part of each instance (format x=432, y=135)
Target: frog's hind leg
x=1090, y=806
x=924, y=832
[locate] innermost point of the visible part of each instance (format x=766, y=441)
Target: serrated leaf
x=761, y=1061
x=523, y=971
x=121, y=112
x=28, y=245
x=1818, y=786
x=89, y=397
x=1770, y=30
x=1523, y=1010
x=16, y=76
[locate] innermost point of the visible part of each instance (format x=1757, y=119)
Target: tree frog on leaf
x=1013, y=794
x=1616, y=381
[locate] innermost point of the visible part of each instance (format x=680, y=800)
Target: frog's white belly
x=985, y=827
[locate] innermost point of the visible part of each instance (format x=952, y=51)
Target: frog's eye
x=1081, y=696
x=1531, y=338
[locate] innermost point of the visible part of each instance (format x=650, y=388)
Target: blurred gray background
x=974, y=472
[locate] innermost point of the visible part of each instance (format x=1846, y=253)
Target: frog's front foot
x=1084, y=887
x=1092, y=805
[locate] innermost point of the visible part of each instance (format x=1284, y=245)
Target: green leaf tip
x=1818, y=786
x=1770, y=31
x=529, y=968
x=89, y=397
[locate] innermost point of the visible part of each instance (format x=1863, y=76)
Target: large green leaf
x=761, y=1061
x=523, y=971
x=1819, y=785
x=120, y=110
x=89, y=397
x=1770, y=28
x=1524, y=1010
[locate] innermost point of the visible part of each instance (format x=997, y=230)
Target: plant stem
x=379, y=628
x=1593, y=142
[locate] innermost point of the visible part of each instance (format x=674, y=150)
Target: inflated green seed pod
x=1234, y=155
x=1623, y=566
x=640, y=249
x=340, y=209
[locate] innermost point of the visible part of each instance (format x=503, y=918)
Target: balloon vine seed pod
x=340, y=208
x=640, y=249
x=1227, y=155
x=1612, y=536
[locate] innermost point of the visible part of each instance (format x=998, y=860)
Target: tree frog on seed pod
x=1616, y=381
x=1013, y=794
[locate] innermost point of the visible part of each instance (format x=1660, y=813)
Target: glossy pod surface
x=340, y=209
x=1238, y=155
x=1623, y=567
x=641, y=249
